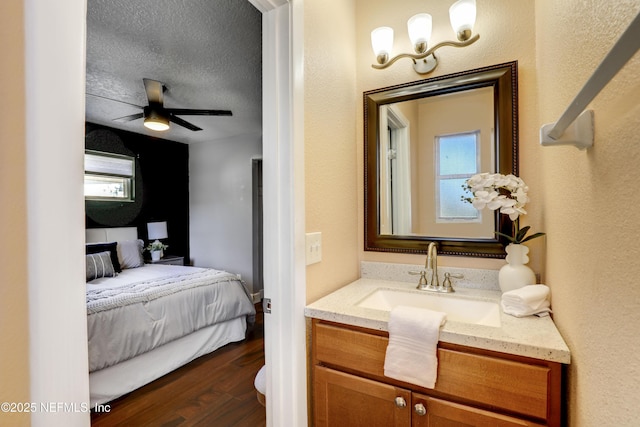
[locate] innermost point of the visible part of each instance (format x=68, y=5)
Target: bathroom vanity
x=507, y=373
x=493, y=369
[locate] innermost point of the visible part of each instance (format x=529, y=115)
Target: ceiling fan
x=157, y=117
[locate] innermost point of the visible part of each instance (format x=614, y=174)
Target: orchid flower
x=506, y=193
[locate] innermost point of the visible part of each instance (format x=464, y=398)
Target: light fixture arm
x=421, y=63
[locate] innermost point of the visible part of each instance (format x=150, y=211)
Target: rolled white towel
x=526, y=301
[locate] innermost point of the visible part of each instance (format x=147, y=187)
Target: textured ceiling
x=207, y=52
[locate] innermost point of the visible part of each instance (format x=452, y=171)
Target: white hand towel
x=527, y=301
x=413, y=342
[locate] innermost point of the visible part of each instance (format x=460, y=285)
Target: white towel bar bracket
x=578, y=134
x=575, y=126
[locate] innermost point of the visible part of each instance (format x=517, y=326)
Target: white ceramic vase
x=155, y=255
x=515, y=274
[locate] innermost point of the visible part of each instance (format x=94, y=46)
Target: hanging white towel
x=526, y=301
x=413, y=342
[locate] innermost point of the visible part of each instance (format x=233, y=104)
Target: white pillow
x=130, y=253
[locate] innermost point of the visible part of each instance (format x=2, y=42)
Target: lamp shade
x=463, y=16
x=157, y=230
x=382, y=40
x=419, y=28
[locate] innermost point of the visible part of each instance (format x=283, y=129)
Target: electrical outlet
x=313, y=248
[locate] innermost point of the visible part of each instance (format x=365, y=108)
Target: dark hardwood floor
x=214, y=390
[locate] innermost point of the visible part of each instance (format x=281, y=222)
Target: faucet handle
x=446, y=283
x=422, y=283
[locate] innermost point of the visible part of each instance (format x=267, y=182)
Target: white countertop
x=531, y=336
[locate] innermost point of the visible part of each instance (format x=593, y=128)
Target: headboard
x=117, y=234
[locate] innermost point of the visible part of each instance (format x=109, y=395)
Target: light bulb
x=419, y=27
x=382, y=43
x=463, y=16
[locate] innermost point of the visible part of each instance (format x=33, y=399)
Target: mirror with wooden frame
x=422, y=141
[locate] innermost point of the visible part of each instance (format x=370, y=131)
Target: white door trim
x=283, y=171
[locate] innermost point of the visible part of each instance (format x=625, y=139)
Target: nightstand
x=169, y=259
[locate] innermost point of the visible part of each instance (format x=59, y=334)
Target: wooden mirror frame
x=504, y=80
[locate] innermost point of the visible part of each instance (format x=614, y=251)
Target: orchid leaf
x=522, y=232
x=506, y=236
x=533, y=236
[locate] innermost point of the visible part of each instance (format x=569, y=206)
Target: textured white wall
x=591, y=213
x=330, y=102
x=220, y=205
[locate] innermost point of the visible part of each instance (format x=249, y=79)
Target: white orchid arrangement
x=508, y=193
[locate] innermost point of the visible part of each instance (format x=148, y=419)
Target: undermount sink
x=458, y=309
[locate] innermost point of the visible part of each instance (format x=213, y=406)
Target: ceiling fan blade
x=183, y=123
x=111, y=99
x=193, y=112
x=129, y=118
x=155, y=91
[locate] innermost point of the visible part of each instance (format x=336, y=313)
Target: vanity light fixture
x=155, y=119
x=462, y=15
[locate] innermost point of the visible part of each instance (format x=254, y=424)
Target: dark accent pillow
x=99, y=265
x=112, y=248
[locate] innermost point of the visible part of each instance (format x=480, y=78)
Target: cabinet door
x=342, y=399
x=431, y=412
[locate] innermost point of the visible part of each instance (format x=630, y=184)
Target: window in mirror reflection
x=457, y=159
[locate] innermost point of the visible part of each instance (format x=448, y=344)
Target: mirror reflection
x=428, y=148
x=423, y=140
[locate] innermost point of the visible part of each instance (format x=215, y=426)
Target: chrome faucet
x=429, y=276
x=431, y=268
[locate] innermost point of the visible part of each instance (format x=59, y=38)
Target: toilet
x=260, y=383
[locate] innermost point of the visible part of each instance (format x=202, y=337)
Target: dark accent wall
x=161, y=189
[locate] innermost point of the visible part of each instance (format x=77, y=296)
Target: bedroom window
x=108, y=177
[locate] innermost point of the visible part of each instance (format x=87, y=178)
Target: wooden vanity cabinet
x=438, y=412
x=343, y=399
x=474, y=387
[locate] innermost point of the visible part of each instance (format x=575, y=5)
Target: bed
x=146, y=320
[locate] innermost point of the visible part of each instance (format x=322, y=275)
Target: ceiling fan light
x=155, y=120
x=157, y=125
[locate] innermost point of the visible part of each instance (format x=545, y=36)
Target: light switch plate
x=313, y=248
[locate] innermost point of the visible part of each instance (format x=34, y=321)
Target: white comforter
x=145, y=307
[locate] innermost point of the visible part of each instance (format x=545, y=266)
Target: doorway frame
x=284, y=217
x=55, y=51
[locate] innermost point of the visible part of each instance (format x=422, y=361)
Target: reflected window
x=108, y=177
x=457, y=159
